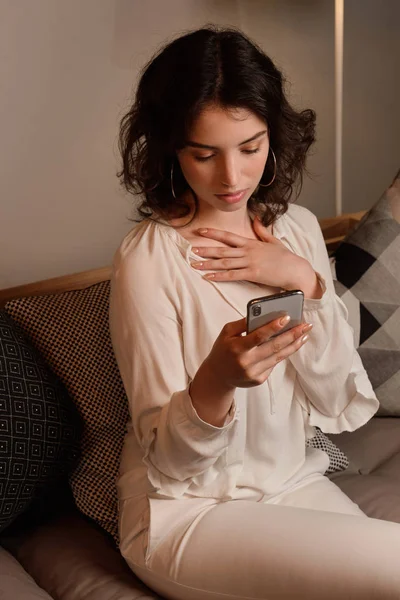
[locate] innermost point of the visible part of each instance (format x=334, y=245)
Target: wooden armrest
x=55, y=285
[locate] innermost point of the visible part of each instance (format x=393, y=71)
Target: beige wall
x=371, y=100
x=299, y=36
x=67, y=70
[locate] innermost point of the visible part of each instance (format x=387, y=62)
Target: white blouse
x=164, y=319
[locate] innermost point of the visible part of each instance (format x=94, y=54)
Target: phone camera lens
x=256, y=310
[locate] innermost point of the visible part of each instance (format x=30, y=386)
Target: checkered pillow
x=367, y=269
x=71, y=331
x=338, y=461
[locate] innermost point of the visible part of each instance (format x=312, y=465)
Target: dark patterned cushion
x=367, y=266
x=39, y=424
x=71, y=330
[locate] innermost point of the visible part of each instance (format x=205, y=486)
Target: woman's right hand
x=240, y=361
x=247, y=361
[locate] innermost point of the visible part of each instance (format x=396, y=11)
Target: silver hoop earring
x=273, y=178
x=172, y=182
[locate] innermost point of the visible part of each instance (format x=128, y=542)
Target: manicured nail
x=203, y=230
x=195, y=250
x=304, y=338
x=196, y=265
x=209, y=276
x=284, y=321
x=307, y=327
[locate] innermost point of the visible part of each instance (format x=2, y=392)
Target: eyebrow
x=197, y=145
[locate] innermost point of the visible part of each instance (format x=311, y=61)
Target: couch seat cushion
x=84, y=563
x=373, y=481
x=15, y=582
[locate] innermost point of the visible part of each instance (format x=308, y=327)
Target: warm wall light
x=339, y=17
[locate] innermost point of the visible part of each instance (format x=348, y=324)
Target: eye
x=203, y=158
x=251, y=151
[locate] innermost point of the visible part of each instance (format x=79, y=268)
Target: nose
x=229, y=172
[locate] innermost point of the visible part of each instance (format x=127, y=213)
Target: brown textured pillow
x=71, y=331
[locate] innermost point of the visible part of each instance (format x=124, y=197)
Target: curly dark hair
x=219, y=66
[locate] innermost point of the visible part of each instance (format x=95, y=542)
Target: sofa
x=60, y=547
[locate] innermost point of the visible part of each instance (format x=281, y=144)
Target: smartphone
x=261, y=311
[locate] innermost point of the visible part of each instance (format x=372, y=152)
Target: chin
x=233, y=207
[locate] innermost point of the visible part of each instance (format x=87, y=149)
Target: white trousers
x=311, y=542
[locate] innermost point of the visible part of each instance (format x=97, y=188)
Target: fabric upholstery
x=39, y=424
x=71, y=331
x=373, y=481
x=84, y=564
x=15, y=582
x=367, y=269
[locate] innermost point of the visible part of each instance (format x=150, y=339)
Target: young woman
x=219, y=495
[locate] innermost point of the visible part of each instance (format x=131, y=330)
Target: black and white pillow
x=40, y=427
x=338, y=461
x=367, y=268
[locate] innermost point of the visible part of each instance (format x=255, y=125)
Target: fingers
x=261, y=370
x=229, y=275
x=279, y=348
x=263, y=232
x=220, y=264
x=261, y=335
x=257, y=364
x=218, y=252
x=235, y=328
x=224, y=236
x=251, y=363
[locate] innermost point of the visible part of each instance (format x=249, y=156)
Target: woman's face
x=225, y=156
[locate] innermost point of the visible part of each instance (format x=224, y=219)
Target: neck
x=237, y=221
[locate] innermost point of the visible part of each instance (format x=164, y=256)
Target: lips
x=233, y=197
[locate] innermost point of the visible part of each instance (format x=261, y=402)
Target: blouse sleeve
x=179, y=447
x=338, y=395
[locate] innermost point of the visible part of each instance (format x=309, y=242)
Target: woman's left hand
x=266, y=261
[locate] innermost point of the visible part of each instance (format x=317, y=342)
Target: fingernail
x=304, y=338
x=203, y=230
x=195, y=250
x=284, y=321
x=196, y=265
x=307, y=327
